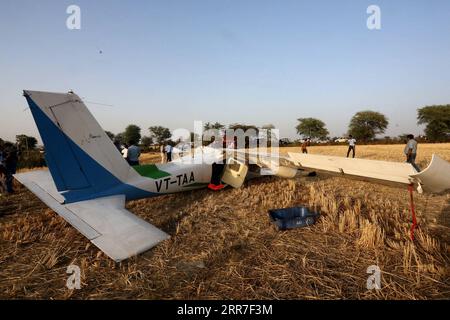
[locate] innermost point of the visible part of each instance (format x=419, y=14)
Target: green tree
x=437, y=121
x=119, y=138
x=215, y=125
x=25, y=142
x=110, y=135
x=403, y=137
x=365, y=125
x=146, y=141
x=245, y=127
x=5, y=143
x=268, y=135
x=311, y=127
x=132, y=134
x=160, y=134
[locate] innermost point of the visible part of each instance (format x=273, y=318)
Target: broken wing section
x=104, y=221
x=383, y=171
x=436, y=177
x=270, y=164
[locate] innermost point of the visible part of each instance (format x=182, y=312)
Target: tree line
x=26, y=147
x=159, y=135
x=366, y=125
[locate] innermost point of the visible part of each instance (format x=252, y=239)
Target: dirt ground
x=223, y=245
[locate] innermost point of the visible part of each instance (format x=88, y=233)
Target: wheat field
x=223, y=245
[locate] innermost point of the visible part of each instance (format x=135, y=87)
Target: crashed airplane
x=88, y=180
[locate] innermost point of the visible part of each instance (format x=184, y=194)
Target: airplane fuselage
x=173, y=177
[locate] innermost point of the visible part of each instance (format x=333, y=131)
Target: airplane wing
x=435, y=178
x=395, y=172
x=104, y=221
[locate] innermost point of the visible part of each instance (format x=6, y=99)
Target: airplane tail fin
x=90, y=176
x=79, y=154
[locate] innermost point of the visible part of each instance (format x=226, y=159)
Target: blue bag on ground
x=290, y=218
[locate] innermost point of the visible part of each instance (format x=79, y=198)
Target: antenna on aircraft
x=98, y=103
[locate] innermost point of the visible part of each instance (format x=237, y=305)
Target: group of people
x=131, y=153
x=410, y=150
x=9, y=159
x=8, y=165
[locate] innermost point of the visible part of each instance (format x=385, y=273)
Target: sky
x=257, y=62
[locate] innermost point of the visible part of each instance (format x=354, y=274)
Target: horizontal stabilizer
x=104, y=221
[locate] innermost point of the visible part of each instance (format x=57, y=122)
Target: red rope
x=413, y=212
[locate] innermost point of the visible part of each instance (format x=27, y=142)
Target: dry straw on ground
x=223, y=246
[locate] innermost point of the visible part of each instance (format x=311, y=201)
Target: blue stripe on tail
x=59, y=154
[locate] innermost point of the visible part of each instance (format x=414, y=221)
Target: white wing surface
x=104, y=221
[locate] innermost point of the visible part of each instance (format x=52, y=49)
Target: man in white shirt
x=410, y=151
x=168, y=149
x=125, y=152
x=351, y=145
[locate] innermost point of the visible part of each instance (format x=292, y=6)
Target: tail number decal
x=179, y=180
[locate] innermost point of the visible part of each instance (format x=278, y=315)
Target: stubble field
x=223, y=245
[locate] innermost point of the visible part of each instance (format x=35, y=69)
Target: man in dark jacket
x=10, y=164
x=2, y=172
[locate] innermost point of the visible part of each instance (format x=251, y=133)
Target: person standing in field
x=133, y=154
x=2, y=180
x=305, y=144
x=10, y=163
x=351, y=145
x=168, y=149
x=410, y=151
x=2, y=174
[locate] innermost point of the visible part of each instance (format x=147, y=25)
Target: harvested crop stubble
x=223, y=245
